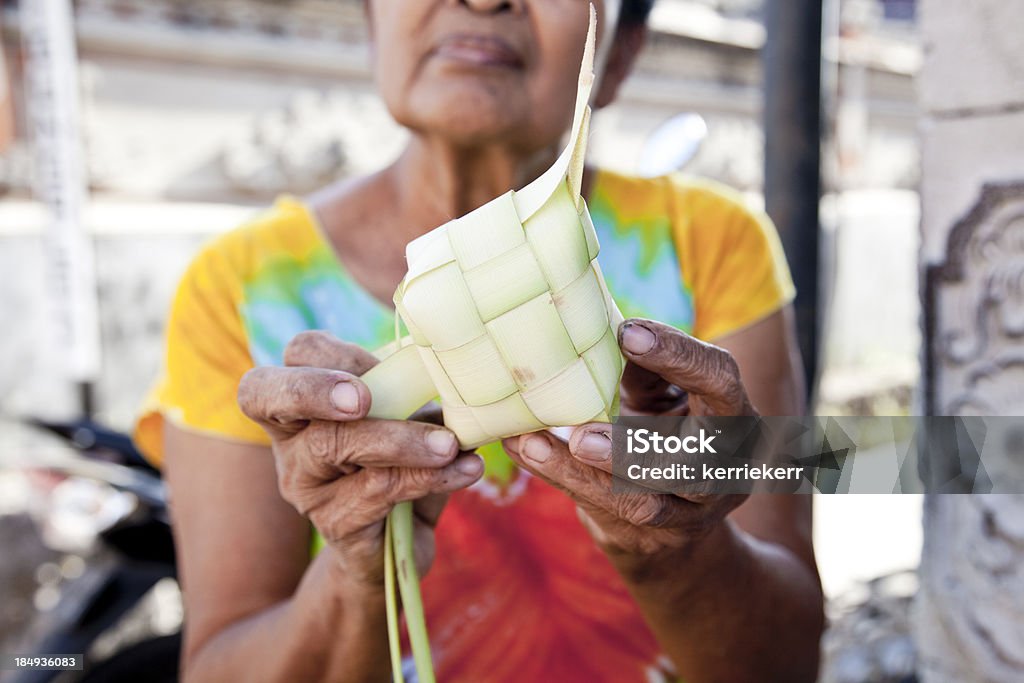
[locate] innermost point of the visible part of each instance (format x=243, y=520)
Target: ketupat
x=510, y=324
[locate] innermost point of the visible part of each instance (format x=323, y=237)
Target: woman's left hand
x=668, y=373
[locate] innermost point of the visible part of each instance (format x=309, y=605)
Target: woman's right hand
x=342, y=470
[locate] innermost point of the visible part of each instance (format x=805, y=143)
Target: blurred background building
x=196, y=113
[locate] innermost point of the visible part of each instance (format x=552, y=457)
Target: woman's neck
x=433, y=182
x=370, y=220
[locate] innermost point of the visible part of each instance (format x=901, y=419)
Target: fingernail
x=637, y=339
x=345, y=397
x=471, y=467
x=441, y=442
x=595, y=446
x=537, y=449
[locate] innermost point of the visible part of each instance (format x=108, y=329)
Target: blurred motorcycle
x=135, y=553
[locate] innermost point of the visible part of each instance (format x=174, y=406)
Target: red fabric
x=519, y=592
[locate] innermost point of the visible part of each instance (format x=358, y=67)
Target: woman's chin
x=470, y=116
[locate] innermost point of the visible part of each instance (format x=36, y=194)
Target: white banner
x=52, y=80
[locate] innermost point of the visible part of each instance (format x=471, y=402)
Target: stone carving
x=968, y=609
x=974, y=309
x=968, y=619
x=991, y=388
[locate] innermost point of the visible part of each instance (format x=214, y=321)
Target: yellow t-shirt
x=510, y=549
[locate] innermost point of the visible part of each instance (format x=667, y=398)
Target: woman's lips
x=478, y=51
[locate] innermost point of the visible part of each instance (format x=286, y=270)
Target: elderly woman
x=535, y=571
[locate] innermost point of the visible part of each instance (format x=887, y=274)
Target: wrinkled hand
x=341, y=470
x=668, y=373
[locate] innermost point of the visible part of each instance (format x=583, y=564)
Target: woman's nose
x=493, y=6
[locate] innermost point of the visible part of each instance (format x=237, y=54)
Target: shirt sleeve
x=206, y=354
x=731, y=257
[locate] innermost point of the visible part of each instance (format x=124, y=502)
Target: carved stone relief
x=974, y=311
x=968, y=608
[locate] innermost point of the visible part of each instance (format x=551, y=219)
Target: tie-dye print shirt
x=518, y=591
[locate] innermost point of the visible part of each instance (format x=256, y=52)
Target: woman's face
x=481, y=71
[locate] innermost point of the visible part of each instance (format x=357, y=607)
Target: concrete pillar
x=970, y=610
